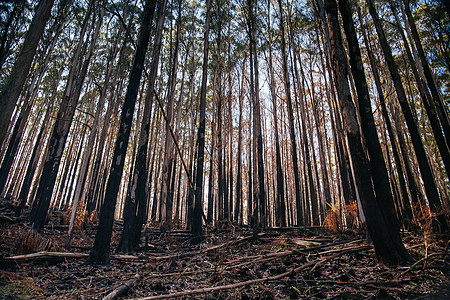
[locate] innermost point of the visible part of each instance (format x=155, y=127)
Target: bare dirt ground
x=289, y=263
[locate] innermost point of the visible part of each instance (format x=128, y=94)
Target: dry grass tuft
x=332, y=220
x=81, y=217
x=31, y=241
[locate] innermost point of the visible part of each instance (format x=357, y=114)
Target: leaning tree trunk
x=100, y=251
x=380, y=176
x=22, y=65
x=31, y=168
x=424, y=165
x=139, y=193
x=378, y=229
x=430, y=107
x=401, y=176
x=435, y=93
x=30, y=97
x=62, y=126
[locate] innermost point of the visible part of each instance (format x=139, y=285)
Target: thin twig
x=191, y=183
x=253, y=281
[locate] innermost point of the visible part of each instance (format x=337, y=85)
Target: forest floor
x=289, y=263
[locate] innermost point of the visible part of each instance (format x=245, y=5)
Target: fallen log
x=48, y=254
x=314, y=263
x=123, y=288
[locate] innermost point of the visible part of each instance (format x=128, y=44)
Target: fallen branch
x=307, y=249
x=253, y=281
x=418, y=262
x=123, y=288
x=248, y=260
x=193, y=253
x=10, y=220
x=48, y=254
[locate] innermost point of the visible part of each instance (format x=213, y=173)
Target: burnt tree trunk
x=99, y=254
x=13, y=87
x=197, y=230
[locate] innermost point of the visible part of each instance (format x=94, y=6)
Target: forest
x=219, y=149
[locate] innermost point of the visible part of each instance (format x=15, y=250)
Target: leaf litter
x=283, y=263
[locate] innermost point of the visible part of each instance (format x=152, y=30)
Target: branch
x=123, y=288
x=191, y=183
x=253, y=281
x=49, y=255
x=123, y=24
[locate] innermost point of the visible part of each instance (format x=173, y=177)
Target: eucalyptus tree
x=139, y=194
x=13, y=87
x=93, y=134
x=436, y=96
x=13, y=19
x=386, y=247
x=100, y=165
x=166, y=200
x=280, y=209
x=391, y=132
x=259, y=201
x=77, y=74
x=378, y=168
x=238, y=210
x=100, y=252
x=197, y=214
x=423, y=161
x=287, y=85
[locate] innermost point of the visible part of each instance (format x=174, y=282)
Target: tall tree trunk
x=63, y=123
x=260, y=201
x=384, y=246
x=280, y=209
x=405, y=196
x=238, y=208
x=90, y=145
x=324, y=171
x=435, y=93
x=139, y=193
x=230, y=129
x=22, y=65
x=380, y=176
x=424, y=165
x=429, y=105
x=300, y=208
x=312, y=195
x=210, y=214
x=166, y=198
x=100, y=252
x=197, y=230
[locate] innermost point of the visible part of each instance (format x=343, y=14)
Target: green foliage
x=433, y=24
